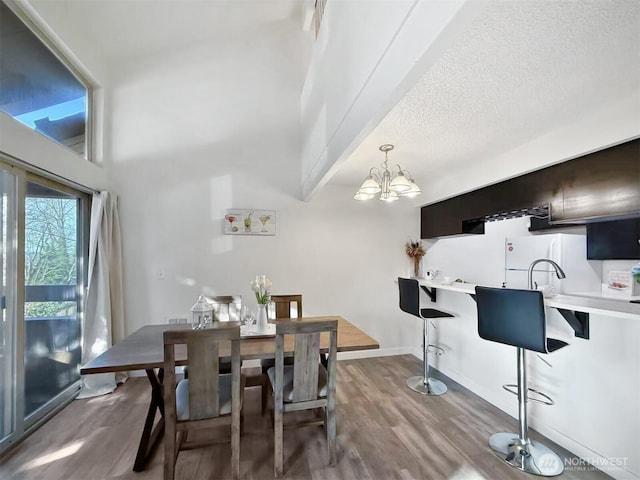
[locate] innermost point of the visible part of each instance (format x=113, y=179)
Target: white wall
x=594, y=382
x=204, y=129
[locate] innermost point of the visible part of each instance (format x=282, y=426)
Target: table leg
x=151, y=435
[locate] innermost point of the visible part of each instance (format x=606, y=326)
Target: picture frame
x=249, y=222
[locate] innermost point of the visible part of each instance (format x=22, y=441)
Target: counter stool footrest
x=546, y=399
x=435, y=350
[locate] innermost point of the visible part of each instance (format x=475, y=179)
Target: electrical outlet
x=161, y=275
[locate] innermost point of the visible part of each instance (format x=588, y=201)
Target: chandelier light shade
x=370, y=186
x=390, y=187
x=363, y=196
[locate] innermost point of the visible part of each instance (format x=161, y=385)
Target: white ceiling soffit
x=524, y=70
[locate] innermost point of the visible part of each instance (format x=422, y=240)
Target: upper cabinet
x=594, y=187
x=604, y=184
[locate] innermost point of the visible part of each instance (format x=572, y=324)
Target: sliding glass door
x=44, y=245
x=53, y=284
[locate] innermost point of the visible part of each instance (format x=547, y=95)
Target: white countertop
x=583, y=302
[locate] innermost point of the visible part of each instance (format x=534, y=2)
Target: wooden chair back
x=203, y=348
x=308, y=342
x=305, y=367
x=203, y=361
x=306, y=353
x=286, y=306
x=226, y=308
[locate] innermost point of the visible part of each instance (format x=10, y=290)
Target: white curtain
x=104, y=309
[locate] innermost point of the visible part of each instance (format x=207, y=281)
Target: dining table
x=144, y=350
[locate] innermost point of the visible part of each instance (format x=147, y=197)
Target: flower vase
x=416, y=266
x=261, y=318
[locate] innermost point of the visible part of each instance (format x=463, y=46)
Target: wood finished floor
x=385, y=431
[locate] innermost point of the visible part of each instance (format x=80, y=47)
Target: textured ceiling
x=524, y=69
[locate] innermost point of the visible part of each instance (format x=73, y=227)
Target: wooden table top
x=144, y=348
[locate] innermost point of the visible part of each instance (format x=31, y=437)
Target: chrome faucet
x=559, y=272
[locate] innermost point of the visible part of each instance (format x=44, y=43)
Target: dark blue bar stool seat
x=517, y=318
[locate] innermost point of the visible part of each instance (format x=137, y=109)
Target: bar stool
x=410, y=303
x=516, y=317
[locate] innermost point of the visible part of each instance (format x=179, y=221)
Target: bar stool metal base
x=532, y=457
x=433, y=386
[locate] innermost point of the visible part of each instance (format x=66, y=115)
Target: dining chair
x=282, y=306
x=206, y=399
x=285, y=306
x=305, y=385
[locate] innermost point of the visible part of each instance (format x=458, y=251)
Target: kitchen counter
x=583, y=302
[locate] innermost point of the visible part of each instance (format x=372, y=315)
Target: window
x=38, y=89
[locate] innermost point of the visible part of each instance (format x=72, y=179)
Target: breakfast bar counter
x=583, y=302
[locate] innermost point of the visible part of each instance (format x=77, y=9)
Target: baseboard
x=380, y=352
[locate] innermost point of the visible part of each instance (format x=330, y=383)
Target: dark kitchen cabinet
x=604, y=184
x=594, y=187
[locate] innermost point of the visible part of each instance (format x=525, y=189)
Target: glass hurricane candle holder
x=201, y=313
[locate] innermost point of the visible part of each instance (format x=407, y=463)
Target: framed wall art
x=250, y=222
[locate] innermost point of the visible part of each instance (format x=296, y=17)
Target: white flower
x=260, y=287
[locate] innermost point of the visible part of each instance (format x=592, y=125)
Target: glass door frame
x=13, y=297
x=22, y=426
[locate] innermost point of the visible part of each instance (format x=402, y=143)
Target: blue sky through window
x=54, y=112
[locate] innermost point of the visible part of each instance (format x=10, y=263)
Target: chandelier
x=390, y=188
